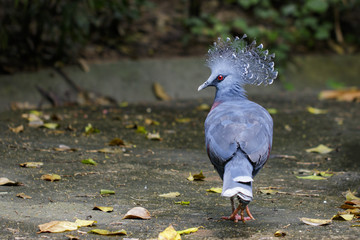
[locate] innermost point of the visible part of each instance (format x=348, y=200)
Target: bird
x=238, y=132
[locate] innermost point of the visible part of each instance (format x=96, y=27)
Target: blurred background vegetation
x=41, y=33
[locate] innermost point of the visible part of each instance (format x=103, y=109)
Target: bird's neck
x=232, y=94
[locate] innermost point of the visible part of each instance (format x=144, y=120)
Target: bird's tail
x=238, y=179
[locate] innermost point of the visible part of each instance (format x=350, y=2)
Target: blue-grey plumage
x=238, y=132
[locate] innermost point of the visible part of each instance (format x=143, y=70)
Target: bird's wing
x=231, y=126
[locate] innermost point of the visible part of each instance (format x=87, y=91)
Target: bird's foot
x=236, y=217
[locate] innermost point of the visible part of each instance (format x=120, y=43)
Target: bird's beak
x=204, y=85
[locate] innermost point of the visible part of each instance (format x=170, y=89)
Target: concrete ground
x=140, y=173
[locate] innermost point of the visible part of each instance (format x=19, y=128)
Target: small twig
x=282, y=156
x=300, y=194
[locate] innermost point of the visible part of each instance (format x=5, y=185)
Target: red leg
x=235, y=216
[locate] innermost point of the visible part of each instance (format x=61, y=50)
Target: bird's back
x=234, y=126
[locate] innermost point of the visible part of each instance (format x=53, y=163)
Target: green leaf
x=183, y=202
x=106, y=191
x=311, y=177
x=319, y=6
x=89, y=129
x=88, y=161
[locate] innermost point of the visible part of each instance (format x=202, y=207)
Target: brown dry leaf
x=137, y=213
x=51, y=177
x=280, y=233
x=108, y=150
x=23, y=195
x=315, y=222
x=104, y=209
x=31, y=164
x=268, y=191
x=7, y=182
x=64, y=148
x=170, y=195
x=149, y=121
x=57, y=226
x=117, y=142
x=160, y=92
x=107, y=232
x=72, y=237
x=17, y=129
x=348, y=95
x=169, y=234
x=83, y=64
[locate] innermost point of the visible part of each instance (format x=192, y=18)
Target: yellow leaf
x=89, y=161
x=190, y=178
x=320, y=149
x=31, y=164
x=50, y=125
x=346, y=217
x=315, y=222
x=189, y=230
x=203, y=107
x=107, y=232
x=170, y=195
x=351, y=196
x=215, y=190
x=279, y=234
x=316, y=110
x=51, y=177
x=183, y=202
x=169, y=234
x=311, y=177
x=199, y=177
x=57, y=226
x=104, y=209
x=84, y=223
x=137, y=213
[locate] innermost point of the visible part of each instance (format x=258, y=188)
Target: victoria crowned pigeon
x=238, y=132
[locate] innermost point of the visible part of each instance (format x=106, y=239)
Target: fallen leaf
x=169, y=234
x=346, y=217
x=63, y=148
x=137, y=213
x=183, y=120
x=190, y=177
x=72, y=237
x=170, y=195
x=50, y=125
x=160, y=92
x=280, y=233
x=57, y=226
x=141, y=129
x=123, y=104
x=189, y=230
x=215, y=190
x=154, y=136
x=268, y=191
x=149, y=121
x=89, y=129
x=110, y=150
x=83, y=64
x=89, y=161
x=272, y=110
x=311, y=177
x=17, y=129
x=203, y=107
x=183, y=202
x=107, y=232
x=116, y=142
x=104, y=209
x=316, y=110
x=84, y=223
x=320, y=149
x=23, y=195
x=351, y=196
x=106, y=191
x=51, y=177
x=31, y=164
x=315, y=222
x=199, y=177
x=6, y=182
x=348, y=95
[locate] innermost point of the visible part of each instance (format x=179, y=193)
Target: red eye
x=220, y=77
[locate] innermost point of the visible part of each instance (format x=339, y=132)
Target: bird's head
x=236, y=63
